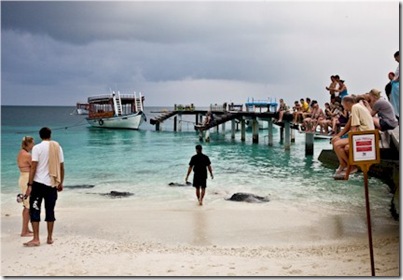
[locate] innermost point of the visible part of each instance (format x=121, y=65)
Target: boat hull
x=132, y=121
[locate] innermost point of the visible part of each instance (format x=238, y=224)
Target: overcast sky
x=58, y=53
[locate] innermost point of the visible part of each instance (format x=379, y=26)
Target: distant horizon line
x=12, y=105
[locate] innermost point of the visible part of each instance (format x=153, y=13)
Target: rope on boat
x=80, y=123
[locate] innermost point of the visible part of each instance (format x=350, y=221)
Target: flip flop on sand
x=31, y=244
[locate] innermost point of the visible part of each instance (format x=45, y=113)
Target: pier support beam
x=309, y=143
x=270, y=129
x=292, y=135
x=180, y=123
x=223, y=128
x=233, y=129
x=197, y=119
x=281, y=134
x=243, y=129
x=255, y=131
x=157, y=126
x=287, y=140
x=175, y=123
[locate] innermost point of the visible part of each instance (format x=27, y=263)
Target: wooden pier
x=234, y=114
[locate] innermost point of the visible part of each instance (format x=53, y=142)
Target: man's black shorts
x=38, y=193
x=199, y=181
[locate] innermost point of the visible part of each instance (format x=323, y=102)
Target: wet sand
x=213, y=240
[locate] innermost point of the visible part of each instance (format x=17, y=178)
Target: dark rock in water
x=172, y=184
x=248, y=197
x=118, y=194
x=79, y=186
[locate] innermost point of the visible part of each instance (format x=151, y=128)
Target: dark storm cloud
x=158, y=22
x=195, y=50
x=167, y=41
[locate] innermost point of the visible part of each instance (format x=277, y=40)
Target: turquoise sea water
x=144, y=162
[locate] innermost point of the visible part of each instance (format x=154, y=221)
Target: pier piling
x=255, y=131
x=287, y=140
x=309, y=136
x=180, y=123
x=207, y=136
x=270, y=128
x=233, y=129
x=292, y=135
x=243, y=130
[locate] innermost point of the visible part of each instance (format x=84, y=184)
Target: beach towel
x=54, y=163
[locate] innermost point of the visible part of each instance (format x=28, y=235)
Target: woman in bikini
x=24, y=165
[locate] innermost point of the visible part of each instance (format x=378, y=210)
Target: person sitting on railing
x=339, y=118
x=209, y=118
x=316, y=115
x=282, y=109
x=305, y=109
x=325, y=123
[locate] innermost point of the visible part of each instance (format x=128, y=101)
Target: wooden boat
x=116, y=111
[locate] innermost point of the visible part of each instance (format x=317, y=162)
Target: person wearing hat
x=199, y=163
x=386, y=119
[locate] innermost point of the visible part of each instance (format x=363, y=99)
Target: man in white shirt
x=45, y=180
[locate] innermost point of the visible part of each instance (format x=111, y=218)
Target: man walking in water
x=199, y=163
x=45, y=180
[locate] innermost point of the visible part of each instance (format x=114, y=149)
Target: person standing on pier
x=199, y=163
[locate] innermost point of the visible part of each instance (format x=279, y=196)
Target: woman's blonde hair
x=375, y=93
x=26, y=140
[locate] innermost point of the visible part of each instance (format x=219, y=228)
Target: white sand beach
x=184, y=239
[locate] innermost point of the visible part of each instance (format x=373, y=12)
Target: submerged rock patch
x=116, y=194
x=248, y=197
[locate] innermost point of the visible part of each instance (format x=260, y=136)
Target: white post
x=180, y=123
x=114, y=103
x=208, y=135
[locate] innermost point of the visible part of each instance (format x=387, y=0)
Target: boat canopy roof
x=107, y=98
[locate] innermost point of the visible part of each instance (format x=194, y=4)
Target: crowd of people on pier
x=310, y=117
x=347, y=112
